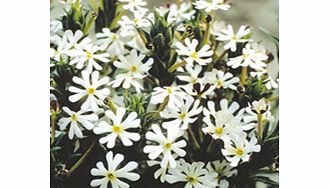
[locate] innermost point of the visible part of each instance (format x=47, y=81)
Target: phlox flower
x=78, y=121
x=167, y=145
x=232, y=38
x=118, y=128
x=90, y=89
x=183, y=115
x=239, y=148
x=194, y=175
x=191, y=55
x=113, y=173
x=210, y=5
x=253, y=55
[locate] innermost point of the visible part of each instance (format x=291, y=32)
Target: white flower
x=223, y=183
x=222, y=168
x=210, y=5
x=219, y=79
x=64, y=44
x=134, y=70
x=111, y=42
x=270, y=82
x=166, y=145
x=252, y=55
x=139, y=20
x=134, y=5
x=174, y=94
x=202, y=57
x=133, y=39
x=87, y=53
x=60, y=51
x=184, y=115
x=220, y=124
x=161, y=172
x=113, y=173
x=192, y=78
x=78, y=121
x=239, y=148
x=217, y=26
x=90, y=90
x=257, y=108
x=195, y=175
x=177, y=13
x=229, y=35
x=118, y=128
x=56, y=27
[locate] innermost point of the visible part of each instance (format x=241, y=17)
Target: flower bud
x=189, y=29
x=240, y=89
x=64, y=174
x=208, y=18
x=149, y=46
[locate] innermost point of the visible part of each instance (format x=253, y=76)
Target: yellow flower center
x=183, y=115
x=234, y=37
x=111, y=176
x=117, y=129
x=219, y=131
x=169, y=90
x=194, y=80
x=239, y=151
x=167, y=145
x=91, y=90
x=219, y=84
x=191, y=179
x=133, y=68
x=88, y=54
x=245, y=56
x=135, y=20
x=194, y=55
x=74, y=117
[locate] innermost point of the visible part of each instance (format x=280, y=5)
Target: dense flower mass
x=170, y=97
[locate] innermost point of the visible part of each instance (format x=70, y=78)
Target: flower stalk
x=176, y=66
x=260, y=125
x=53, y=124
x=243, y=75
x=195, y=141
x=83, y=158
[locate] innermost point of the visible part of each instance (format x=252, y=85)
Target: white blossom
x=90, y=89
x=118, y=128
x=113, y=173
x=78, y=122
x=167, y=145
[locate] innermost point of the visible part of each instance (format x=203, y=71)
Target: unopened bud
x=64, y=174
x=240, y=89
x=189, y=29
x=150, y=46
x=208, y=18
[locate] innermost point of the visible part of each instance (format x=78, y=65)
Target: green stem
x=176, y=66
x=260, y=125
x=196, y=143
x=117, y=18
x=111, y=105
x=89, y=23
x=94, y=5
x=53, y=124
x=210, y=146
x=243, y=75
x=83, y=158
x=164, y=104
x=206, y=35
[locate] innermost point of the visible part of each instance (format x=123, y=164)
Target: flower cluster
x=170, y=90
